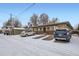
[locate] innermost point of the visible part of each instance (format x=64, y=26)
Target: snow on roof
x=19, y=28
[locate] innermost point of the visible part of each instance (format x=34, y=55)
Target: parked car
x=31, y=33
x=24, y=33
x=62, y=34
x=6, y=32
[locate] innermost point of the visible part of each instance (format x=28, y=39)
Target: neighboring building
x=49, y=29
x=16, y=31
x=7, y=29
x=12, y=30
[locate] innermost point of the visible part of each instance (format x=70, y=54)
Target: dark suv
x=62, y=34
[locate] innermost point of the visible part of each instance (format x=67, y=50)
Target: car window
x=61, y=31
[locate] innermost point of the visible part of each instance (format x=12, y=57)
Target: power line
x=26, y=9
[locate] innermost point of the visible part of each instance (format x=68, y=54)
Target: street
x=14, y=45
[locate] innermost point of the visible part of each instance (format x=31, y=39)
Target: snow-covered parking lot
x=14, y=45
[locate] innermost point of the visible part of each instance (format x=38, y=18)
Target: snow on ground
x=14, y=45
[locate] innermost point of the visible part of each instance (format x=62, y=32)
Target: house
x=50, y=28
x=16, y=31
x=12, y=30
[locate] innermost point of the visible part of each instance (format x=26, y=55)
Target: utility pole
x=12, y=20
x=12, y=24
x=10, y=16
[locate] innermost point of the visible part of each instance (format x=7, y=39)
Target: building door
x=44, y=29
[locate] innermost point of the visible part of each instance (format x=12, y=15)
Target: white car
x=24, y=34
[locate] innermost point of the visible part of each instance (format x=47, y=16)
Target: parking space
x=15, y=45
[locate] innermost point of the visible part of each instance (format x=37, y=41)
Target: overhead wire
x=26, y=9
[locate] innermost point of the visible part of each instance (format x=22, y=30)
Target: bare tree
x=12, y=22
x=43, y=19
x=7, y=23
x=77, y=27
x=29, y=24
x=34, y=20
x=17, y=23
x=54, y=20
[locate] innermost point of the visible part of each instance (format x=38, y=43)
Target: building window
x=35, y=29
x=40, y=28
x=51, y=27
x=48, y=28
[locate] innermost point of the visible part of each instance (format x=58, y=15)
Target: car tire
x=4, y=33
x=67, y=40
x=70, y=37
x=55, y=39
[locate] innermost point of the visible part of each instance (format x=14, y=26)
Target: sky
x=62, y=11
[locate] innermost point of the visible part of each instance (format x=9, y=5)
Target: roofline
x=55, y=24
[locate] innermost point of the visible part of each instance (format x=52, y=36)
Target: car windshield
x=61, y=31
